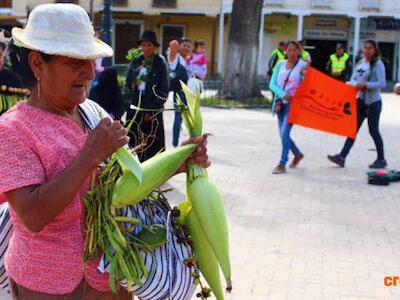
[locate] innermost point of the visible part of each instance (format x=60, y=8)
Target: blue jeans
x=177, y=120
x=371, y=112
x=284, y=131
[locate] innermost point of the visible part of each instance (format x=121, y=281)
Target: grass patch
x=261, y=102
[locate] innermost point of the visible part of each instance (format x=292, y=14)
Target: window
x=5, y=3
x=169, y=33
x=126, y=37
x=120, y=3
x=164, y=3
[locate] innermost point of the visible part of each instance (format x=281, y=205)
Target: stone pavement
x=318, y=232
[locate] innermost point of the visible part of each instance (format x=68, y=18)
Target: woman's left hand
x=361, y=86
x=199, y=156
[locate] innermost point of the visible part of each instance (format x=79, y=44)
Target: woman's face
x=292, y=52
x=369, y=51
x=148, y=49
x=63, y=80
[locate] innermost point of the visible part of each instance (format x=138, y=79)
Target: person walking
x=147, y=79
x=285, y=81
x=177, y=73
x=369, y=78
x=276, y=56
x=339, y=64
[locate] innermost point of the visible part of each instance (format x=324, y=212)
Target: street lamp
x=106, y=29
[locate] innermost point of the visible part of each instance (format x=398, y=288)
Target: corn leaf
x=129, y=162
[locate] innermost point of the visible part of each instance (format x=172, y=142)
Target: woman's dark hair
x=296, y=44
x=20, y=64
x=374, y=44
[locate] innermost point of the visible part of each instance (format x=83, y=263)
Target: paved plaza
x=318, y=232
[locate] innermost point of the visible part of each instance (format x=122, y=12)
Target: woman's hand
x=199, y=156
x=361, y=86
x=288, y=98
x=104, y=140
x=304, y=71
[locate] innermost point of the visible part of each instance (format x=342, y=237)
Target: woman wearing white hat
x=51, y=150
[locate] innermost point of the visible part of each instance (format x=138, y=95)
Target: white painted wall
x=391, y=7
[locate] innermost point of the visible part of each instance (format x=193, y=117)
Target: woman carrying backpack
x=369, y=79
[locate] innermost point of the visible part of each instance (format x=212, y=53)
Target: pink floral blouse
x=35, y=146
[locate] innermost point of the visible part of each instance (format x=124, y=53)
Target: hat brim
x=87, y=50
x=155, y=43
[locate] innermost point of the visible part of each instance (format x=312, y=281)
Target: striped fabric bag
x=6, y=231
x=169, y=277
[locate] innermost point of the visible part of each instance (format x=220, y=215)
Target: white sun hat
x=61, y=29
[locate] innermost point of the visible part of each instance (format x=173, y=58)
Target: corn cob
x=203, y=194
x=205, y=257
x=156, y=171
x=207, y=205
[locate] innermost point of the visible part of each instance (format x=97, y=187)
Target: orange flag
x=325, y=104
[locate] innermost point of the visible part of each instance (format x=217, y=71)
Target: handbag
x=278, y=108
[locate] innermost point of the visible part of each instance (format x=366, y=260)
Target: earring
x=38, y=87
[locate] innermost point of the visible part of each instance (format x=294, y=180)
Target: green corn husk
x=156, y=170
x=203, y=194
x=205, y=257
x=207, y=205
x=153, y=236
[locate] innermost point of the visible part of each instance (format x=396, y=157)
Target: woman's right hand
x=104, y=140
x=288, y=98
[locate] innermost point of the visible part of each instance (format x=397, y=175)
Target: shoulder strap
x=90, y=113
x=290, y=72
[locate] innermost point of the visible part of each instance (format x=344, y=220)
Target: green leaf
x=129, y=162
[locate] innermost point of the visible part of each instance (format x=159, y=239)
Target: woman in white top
x=285, y=81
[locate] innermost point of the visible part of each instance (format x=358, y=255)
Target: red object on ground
x=325, y=104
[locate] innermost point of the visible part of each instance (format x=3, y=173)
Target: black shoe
x=337, y=159
x=378, y=164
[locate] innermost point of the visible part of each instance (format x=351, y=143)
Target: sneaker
x=378, y=164
x=279, y=169
x=296, y=160
x=337, y=159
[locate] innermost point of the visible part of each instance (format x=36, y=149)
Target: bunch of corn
x=125, y=181
x=206, y=208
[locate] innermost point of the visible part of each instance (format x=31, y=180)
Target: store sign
x=325, y=34
x=326, y=22
x=387, y=24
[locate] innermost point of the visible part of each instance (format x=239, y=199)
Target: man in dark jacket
x=148, y=80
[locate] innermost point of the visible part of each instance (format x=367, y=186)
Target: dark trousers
x=151, y=132
x=177, y=119
x=372, y=112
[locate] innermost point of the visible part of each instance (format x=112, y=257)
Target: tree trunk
x=240, y=79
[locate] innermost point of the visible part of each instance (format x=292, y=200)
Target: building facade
x=321, y=23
